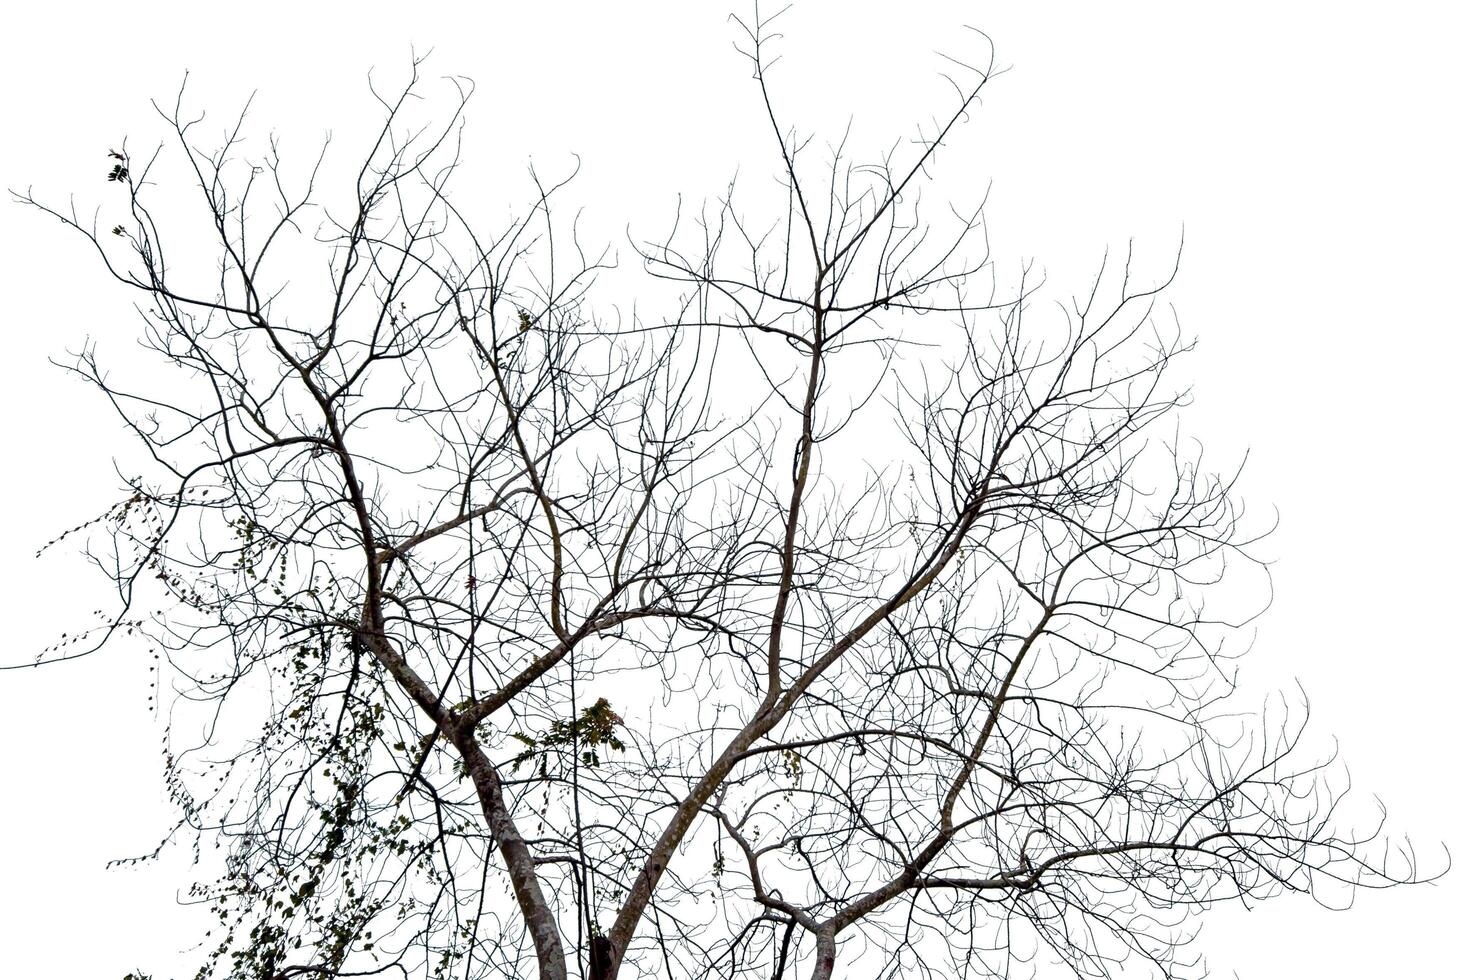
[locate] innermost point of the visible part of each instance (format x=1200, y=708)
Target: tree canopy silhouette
x=854, y=605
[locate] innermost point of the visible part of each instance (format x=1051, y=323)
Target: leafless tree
x=852, y=607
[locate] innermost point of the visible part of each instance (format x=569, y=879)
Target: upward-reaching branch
x=856, y=588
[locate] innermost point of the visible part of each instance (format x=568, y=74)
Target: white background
x=1307, y=151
